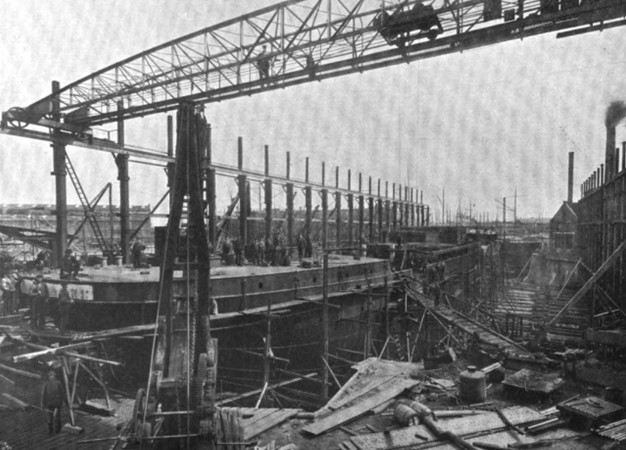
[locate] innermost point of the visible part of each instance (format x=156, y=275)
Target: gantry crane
x=299, y=41
x=290, y=43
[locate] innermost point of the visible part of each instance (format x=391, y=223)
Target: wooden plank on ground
x=341, y=416
x=15, y=401
x=23, y=373
x=405, y=437
x=112, y=332
x=269, y=421
x=357, y=391
x=257, y=414
x=49, y=351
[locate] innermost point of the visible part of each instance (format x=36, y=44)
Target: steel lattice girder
x=306, y=40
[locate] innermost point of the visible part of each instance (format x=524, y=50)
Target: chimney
x=614, y=115
x=570, y=178
x=610, y=151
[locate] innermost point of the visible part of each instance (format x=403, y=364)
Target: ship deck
x=123, y=274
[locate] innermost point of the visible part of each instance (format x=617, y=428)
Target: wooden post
x=308, y=217
x=67, y=387
x=366, y=350
x=242, y=184
x=361, y=213
x=337, y=209
x=386, y=293
x=290, y=198
x=324, y=196
x=325, y=327
x=266, y=356
x=267, y=183
x=350, y=211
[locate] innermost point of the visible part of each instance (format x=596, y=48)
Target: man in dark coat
x=39, y=302
x=69, y=266
x=308, y=246
x=65, y=303
x=137, y=253
x=52, y=400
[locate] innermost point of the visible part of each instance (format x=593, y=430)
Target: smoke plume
x=615, y=113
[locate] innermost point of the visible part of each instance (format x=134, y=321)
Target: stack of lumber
x=236, y=427
x=375, y=385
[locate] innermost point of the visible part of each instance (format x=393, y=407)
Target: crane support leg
x=58, y=151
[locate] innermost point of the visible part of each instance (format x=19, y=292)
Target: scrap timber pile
x=397, y=405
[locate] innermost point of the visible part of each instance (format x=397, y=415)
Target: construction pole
x=211, y=192
x=290, y=197
x=171, y=167
x=515, y=208
x=122, y=176
x=394, y=208
x=267, y=183
x=379, y=206
x=308, y=215
x=504, y=217
x=338, y=208
x=350, y=211
x=242, y=184
x=370, y=208
x=58, y=160
x=361, y=212
x=325, y=325
x=324, y=196
x=387, y=211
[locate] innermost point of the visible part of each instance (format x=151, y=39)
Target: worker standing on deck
x=137, y=253
x=65, y=303
x=300, y=244
x=227, y=251
x=7, y=285
x=39, y=300
x=238, y=248
x=259, y=253
x=52, y=400
x=308, y=246
x=69, y=266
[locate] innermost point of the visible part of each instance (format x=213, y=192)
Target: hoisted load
x=399, y=27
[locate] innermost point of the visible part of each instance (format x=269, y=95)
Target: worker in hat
x=65, y=304
x=39, y=302
x=7, y=287
x=69, y=266
x=52, y=400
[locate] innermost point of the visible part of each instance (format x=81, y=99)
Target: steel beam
x=58, y=156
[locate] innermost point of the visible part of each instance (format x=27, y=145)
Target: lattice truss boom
x=306, y=40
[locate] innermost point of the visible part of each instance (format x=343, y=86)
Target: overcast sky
x=480, y=123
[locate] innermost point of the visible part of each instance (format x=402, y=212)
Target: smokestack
x=610, y=151
x=570, y=178
x=614, y=114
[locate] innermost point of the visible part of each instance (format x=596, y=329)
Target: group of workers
x=40, y=306
x=8, y=292
x=264, y=252
x=37, y=293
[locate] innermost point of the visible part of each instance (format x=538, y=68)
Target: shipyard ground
x=25, y=428
x=565, y=438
